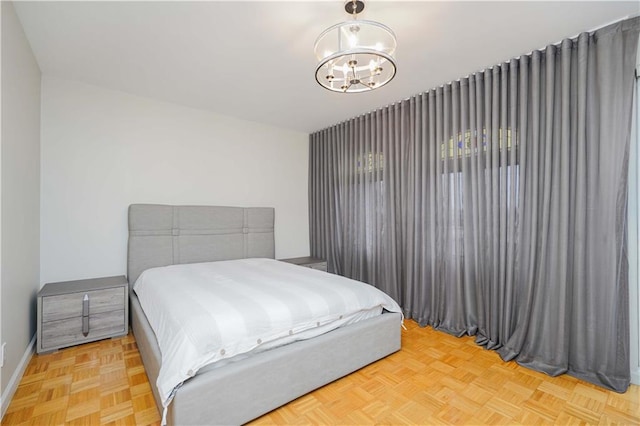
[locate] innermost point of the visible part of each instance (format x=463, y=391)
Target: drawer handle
x=85, y=305
x=85, y=315
x=85, y=326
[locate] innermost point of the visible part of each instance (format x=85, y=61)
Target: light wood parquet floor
x=435, y=379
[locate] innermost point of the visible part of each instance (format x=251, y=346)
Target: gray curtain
x=495, y=205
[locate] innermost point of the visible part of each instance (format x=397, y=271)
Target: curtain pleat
x=495, y=205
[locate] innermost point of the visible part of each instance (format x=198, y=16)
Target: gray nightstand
x=75, y=312
x=309, y=262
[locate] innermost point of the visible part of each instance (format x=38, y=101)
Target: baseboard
x=635, y=376
x=12, y=386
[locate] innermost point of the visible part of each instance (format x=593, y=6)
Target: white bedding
x=206, y=312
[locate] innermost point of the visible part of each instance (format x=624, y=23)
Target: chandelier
x=355, y=56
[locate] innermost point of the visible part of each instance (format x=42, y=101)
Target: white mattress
x=206, y=313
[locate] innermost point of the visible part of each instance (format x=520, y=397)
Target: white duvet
x=206, y=312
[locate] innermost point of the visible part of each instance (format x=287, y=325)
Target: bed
x=162, y=235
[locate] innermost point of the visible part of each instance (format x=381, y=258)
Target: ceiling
x=255, y=61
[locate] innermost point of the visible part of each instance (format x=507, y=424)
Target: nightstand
x=75, y=312
x=309, y=262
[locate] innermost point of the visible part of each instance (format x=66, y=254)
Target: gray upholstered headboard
x=161, y=235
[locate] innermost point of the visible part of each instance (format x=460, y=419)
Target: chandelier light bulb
x=361, y=51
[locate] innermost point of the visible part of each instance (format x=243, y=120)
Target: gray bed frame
x=238, y=392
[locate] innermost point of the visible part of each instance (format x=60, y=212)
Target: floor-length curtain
x=496, y=205
x=633, y=217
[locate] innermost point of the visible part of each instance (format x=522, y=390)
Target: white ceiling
x=255, y=61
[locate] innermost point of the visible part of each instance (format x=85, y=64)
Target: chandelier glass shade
x=355, y=56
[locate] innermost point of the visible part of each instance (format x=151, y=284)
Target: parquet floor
x=96, y=383
x=435, y=379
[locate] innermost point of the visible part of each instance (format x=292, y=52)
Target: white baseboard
x=12, y=386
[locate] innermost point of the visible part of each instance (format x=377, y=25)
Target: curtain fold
x=495, y=205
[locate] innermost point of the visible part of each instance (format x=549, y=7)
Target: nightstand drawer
x=70, y=305
x=69, y=331
x=320, y=266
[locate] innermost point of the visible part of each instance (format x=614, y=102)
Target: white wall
x=103, y=150
x=20, y=200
